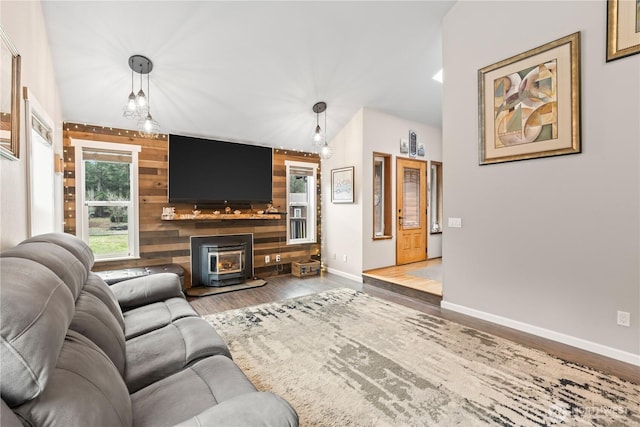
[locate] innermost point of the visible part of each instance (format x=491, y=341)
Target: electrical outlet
x=344, y=258
x=624, y=318
x=278, y=258
x=267, y=259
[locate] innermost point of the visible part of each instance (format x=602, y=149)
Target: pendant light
x=138, y=106
x=325, y=150
x=319, y=107
x=130, y=111
x=148, y=127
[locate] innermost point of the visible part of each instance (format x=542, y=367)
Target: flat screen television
x=204, y=171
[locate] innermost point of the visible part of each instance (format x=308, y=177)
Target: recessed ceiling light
x=438, y=76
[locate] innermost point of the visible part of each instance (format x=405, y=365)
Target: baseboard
x=345, y=275
x=593, y=347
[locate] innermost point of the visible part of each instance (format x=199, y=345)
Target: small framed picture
x=404, y=146
x=342, y=185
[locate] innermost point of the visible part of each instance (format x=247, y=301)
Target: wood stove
x=223, y=264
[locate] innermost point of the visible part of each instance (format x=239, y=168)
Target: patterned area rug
x=344, y=358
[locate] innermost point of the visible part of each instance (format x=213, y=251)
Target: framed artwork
x=529, y=104
x=342, y=185
x=9, y=98
x=623, y=28
x=404, y=146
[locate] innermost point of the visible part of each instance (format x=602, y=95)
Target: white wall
x=24, y=23
x=347, y=229
x=382, y=133
x=342, y=223
x=548, y=245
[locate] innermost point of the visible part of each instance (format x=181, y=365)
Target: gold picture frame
x=9, y=98
x=529, y=104
x=623, y=28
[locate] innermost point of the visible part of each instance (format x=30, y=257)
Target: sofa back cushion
x=76, y=246
x=56, y=258
x=95, y=285
x=84, y=389
x=35, y=312
x=94, y=320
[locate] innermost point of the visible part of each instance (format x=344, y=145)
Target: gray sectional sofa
x=77, y=352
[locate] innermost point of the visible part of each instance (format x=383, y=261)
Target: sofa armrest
x=147, y=289
x=255, y=409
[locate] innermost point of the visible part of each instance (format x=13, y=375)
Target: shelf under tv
x=213, y=217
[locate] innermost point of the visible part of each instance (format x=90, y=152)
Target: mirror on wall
x=435, y=202
x=381, y=196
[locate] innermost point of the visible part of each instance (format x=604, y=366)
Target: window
x=107, y=198
x=301, y=202
x=436, y=197
x=381, y=196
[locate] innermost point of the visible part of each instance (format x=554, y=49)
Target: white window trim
x=311, y=225
x=82, y=225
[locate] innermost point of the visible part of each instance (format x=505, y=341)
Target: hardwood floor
x=400, y=275
x=283, y=287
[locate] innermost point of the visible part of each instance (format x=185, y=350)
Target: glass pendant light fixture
x=130, y=110
x=319, y=107
x=148, y=127
x=319, y=136
x=138, y=106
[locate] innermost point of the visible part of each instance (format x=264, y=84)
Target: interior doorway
x=411, y=209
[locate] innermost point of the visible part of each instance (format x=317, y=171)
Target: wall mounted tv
x=204, y=171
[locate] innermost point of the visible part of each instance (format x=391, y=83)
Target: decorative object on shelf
x=168, y=213
x=139, y=106
x=413, y=144
x=623, y=29
x=342, y=185
x=216, y=212
x=237, y=212
x=529, y=104
x=9, y=98
x=260, y=212
x=421, y=150
x=404, y=146
x=227, y=210
x=196, y=212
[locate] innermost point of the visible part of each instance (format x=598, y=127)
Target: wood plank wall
x=164, y=242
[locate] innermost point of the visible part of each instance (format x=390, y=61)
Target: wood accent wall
x=164, y=242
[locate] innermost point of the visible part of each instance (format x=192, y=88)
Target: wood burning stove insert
x=223, y=264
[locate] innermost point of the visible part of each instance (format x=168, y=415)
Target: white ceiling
x=248, y=71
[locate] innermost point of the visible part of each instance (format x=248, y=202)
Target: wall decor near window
x=342, y=185
x=623, y=28
x=529, y=104
x=9, y=98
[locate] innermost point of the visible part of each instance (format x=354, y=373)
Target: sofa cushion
x=59, y=260
x=165, y=351
x=96, y=286
x=35, y=312
x=7, y=417
x=94, y=320
x=145, y=290
x=84, y=389
x=154, y=316
x=76, y=246
x=185, y=394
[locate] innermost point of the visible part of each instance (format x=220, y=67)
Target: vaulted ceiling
x=248, y=71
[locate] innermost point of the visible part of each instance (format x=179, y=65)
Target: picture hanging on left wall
x=9, y=98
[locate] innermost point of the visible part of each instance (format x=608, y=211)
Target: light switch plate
x=455, y=222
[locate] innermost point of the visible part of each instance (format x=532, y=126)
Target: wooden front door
x=411, y=205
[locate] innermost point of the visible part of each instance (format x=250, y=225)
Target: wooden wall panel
x=163, y=242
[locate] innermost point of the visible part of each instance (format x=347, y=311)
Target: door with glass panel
x=411, y=211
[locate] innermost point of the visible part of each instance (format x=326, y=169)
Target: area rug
x=433, y=272
x=344, y=358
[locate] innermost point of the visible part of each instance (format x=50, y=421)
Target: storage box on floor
x=305, y=268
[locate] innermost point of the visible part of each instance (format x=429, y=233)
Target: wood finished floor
x=287, y=286
x=401, y=275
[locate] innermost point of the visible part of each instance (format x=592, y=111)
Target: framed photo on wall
x=623, y=28
x=9, y=98
x=342, y=185
x=529, y=104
